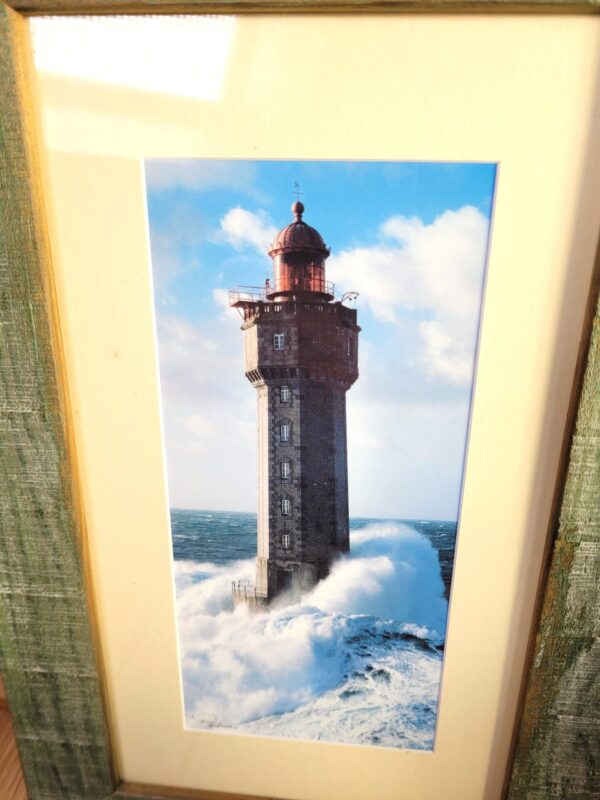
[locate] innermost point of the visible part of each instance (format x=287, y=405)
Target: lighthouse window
x=285, y=506
x=278, y=341
x=285, y=541
x=284, y=394
x=285, y=469
x=284, y=432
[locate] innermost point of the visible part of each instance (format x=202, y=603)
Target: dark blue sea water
x=356, y=660
x=224, y=536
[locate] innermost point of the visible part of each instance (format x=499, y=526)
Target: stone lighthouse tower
x=301, y=355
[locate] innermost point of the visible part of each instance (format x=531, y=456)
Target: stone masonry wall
x=303, y=516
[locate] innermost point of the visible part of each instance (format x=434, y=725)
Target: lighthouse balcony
x=247, y=294
x=242, y=296
x=253, y=309
x=245, y=593
x=288, y=287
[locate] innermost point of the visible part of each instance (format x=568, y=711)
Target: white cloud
x=424, y=281
x=210, y=425
x=446, y=356
x=167, y=264
x=209, y=413
x=434, y=271
x=200, y=426
x=242, y=228
x=197, y=360
x=200, y=174
x=405, y=458
x=221, y=298
x=175, y=244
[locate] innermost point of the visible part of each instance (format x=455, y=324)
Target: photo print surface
x=317, y=327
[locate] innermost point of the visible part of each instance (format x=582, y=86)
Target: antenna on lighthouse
x=297, y=191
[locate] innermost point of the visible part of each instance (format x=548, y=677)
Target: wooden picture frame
x=49, y=650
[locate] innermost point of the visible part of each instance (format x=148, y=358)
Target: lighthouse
x=301, y=356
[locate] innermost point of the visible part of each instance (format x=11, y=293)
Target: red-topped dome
x=299, y=237
x=299, y=254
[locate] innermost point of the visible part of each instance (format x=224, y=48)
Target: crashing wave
x=357, y=659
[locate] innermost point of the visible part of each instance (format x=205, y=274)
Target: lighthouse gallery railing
x=258, y=294
x=246, y=592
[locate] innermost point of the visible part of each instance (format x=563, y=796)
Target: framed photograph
x=304, y=559
x=314, y=529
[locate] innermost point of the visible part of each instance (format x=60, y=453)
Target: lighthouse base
x=246, y=594
x=278, y=580
x=278, y=577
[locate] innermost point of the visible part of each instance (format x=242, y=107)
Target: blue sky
x=411, y=238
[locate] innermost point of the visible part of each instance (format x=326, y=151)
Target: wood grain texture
x=143, y=791
x=12, y=782
x=558, y=747
x=47, y=657
x=303, y=6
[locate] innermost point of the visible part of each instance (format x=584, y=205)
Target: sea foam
x=357, y=659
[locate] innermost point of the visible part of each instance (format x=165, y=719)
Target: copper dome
x=299, y=237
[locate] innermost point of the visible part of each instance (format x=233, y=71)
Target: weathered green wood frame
x=49, y=659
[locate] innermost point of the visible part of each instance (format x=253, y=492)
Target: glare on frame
x=179, y=55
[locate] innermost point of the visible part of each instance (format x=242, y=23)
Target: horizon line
x=357, y=516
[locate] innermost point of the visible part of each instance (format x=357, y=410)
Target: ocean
x=357, y=660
